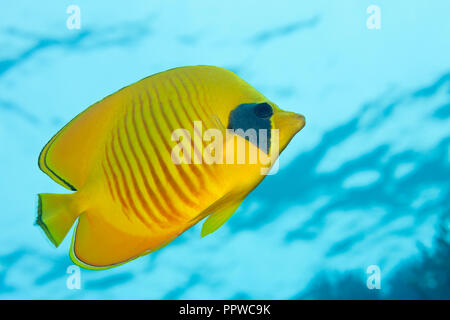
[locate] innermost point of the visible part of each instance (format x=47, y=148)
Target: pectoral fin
x=219, y=217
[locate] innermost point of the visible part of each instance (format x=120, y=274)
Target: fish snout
x=299, y=120
x=286, y=119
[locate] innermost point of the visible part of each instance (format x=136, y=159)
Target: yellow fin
x=219, y=217
x=66, y=158
x=56, y=215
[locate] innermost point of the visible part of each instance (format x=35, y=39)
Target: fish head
x=272, y=127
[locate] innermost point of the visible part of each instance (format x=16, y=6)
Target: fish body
x=133, y=193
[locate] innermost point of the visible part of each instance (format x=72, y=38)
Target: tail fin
x=56, y=215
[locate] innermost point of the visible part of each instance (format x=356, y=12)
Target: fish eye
x=263, y=110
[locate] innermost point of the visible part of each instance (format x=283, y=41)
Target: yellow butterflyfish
x=154, y=158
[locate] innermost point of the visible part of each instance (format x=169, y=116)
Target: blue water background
x=365, y=183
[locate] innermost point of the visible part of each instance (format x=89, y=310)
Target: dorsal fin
x=66, y=158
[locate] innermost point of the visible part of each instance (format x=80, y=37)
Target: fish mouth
x=299, y=120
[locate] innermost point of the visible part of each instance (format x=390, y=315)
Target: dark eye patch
x=263, y=110
x=253, y=116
